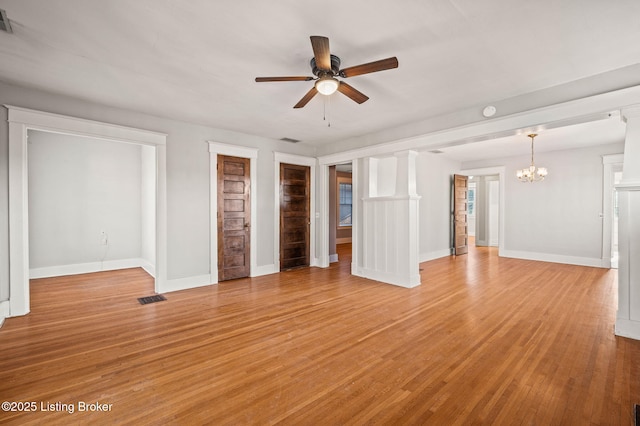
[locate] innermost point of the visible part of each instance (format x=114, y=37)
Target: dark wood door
x=460, y=236
x=234, y=216
x=294, y=216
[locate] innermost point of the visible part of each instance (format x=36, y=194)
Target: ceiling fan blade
x=306, y=98
x=321, y=52
x=264, y=79
x=381, y=65
x=352, y=93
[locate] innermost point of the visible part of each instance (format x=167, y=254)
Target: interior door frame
x=323, y=223
x=21, y=120
x=299, y=160
x=459, y=250
x=216, y=148
x=283, y=226
x=222, y=215
x=501, y=172
x=610, y=164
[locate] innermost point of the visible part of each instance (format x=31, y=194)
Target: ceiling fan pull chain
x=324, y=110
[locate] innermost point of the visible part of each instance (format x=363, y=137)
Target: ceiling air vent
x=290, y=140
x=436, y=151
x=4, y=22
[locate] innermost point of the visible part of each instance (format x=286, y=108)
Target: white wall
x=79, y=187
x=433, y=175
x=557, y=219
x=187, y=177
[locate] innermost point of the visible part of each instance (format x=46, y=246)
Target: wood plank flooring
x=483, y=340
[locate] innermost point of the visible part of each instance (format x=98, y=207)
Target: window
x=344, y=203
x=471, y=200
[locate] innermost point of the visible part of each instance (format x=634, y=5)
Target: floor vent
x=5, y=25
x=290, y=140
x=151, y=299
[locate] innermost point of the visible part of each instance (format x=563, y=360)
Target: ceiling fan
x=326, y=67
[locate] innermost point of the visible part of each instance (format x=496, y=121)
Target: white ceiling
x=196, y=60
x=599, y=132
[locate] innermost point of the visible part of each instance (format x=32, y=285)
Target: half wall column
x=628, y=316
x=390, y=226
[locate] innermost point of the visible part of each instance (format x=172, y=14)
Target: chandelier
x=531, y=174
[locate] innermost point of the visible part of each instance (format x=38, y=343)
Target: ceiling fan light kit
x=327, y=85
x=326, y=67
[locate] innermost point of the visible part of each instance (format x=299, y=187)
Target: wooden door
x=460, y=237
x=234, y=217
x=294, y=216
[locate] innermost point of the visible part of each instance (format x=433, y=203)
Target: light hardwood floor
x=483, y=340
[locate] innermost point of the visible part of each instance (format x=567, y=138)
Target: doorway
x=489, y=206
x=487, y=210
x=617, y=178
x=21, y=120
x=295, y=216
x=612, y=175
x=341, y=218
x=91, y=205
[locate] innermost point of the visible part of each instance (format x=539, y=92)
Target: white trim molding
x=628, y=314
x=299, y=160
x=562, y=114
x=613, y=159
x=178, y=284
x=89, y=267
x=265, y=270
x=432, y=255
x=57, y=123
x=553, y=258
x=627, y=328
x=610, y=165
x=628, y=186
x=215, y=149
x=21, y=120
x=4, y=311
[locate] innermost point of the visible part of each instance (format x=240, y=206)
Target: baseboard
x=85, y=268
x=425, y=257
x=184, y=283
x=627, y=328
x=389, y=278
x=554, y=258
x=4, y=311
x=333, y=258
x=265, y=270
x=343, y=240
x=149, y=267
